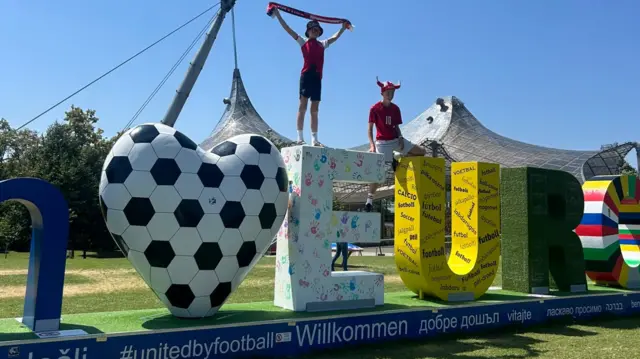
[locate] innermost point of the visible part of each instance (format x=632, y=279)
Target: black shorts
x=311, y=85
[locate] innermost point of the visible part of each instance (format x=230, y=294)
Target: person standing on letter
x=387, y=119
x=311, y=74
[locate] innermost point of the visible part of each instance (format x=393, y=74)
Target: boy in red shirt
x=387, y=119
x=311, y=74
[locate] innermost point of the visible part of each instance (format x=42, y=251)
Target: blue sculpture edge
x=50, y=223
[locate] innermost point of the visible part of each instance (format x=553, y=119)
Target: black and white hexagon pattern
x=192, y=223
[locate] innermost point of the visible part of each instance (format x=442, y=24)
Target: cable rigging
x=118, y=66
x=171, y=71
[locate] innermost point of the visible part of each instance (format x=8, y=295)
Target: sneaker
x=317, y=144
x=300, y=143
x=368, y=207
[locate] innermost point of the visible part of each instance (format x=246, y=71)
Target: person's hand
x=401, y=144
x=372, y=148
x=276, y=12
x=345, y=25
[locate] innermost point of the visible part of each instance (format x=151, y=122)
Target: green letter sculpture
x=540, y=210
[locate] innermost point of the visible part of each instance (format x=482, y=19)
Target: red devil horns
x=388, y=85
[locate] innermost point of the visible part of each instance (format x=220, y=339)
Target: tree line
x=70, y=155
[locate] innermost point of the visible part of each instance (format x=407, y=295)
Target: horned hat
x=387, y=85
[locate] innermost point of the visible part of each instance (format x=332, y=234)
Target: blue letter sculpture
x=50, y=222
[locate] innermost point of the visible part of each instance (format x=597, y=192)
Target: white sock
x=314, y=137
x=370, y=198
x=300, y=136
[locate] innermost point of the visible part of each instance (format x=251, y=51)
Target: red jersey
x=313, y=53
x=386, y=120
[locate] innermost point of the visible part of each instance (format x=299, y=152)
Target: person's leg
x=302, y=107
x=335, y=257
x=386, y=150
x=416, y=150
x=302, y=110
x=373, y=187
x=345, y=256
x=315, y=105
x=315, y=95
x=411, y=149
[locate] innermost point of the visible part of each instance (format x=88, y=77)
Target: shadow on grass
x=451, y=347
x=4, y=337
x=616, y=323
x=488, y=298
x=103, y=255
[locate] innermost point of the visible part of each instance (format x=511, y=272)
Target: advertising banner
x=284, y=338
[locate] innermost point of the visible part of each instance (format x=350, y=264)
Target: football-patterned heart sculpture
x=192, y=223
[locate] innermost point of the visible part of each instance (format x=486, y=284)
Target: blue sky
x=520, y=66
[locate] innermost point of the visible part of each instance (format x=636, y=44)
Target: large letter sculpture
x=420, y=227
x=610, y=230
x=304, y=281
x=50, y=223
x=542, y=208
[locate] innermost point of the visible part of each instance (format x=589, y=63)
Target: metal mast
x=195, y=67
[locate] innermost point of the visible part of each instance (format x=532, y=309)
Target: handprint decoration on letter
x=354, y=221
x=313, y=227
x=318, y=225
x=359, y=161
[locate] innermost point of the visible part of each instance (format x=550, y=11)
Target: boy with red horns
x=387, y=119
x=311, y=74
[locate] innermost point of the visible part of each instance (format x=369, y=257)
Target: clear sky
x=563, y=74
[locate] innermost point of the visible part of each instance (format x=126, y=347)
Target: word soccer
x=543, y=229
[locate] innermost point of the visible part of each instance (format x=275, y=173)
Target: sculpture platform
x=262, y=329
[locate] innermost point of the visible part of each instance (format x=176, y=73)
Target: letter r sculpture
x=304, y=280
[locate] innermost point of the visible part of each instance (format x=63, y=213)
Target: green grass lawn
x=100, y=285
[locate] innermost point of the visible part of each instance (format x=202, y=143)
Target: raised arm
x=337, y=35
x=284, y=25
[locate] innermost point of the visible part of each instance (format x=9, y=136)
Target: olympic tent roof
x=239, y=117
x=462, y=137
x=459, y=134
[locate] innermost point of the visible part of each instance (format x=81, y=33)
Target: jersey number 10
x=387, y=120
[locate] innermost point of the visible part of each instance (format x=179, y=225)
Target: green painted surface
x=157, y=319
x=600, y=254
x=540, y=209
x=632, y=186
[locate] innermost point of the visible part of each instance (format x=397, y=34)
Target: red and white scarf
x=306, y=15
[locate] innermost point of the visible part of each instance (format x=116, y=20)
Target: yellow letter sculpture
x=420, y=227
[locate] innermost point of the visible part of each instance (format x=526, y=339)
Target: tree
x=17, y=149
x=69, y=155
x=625, y=168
